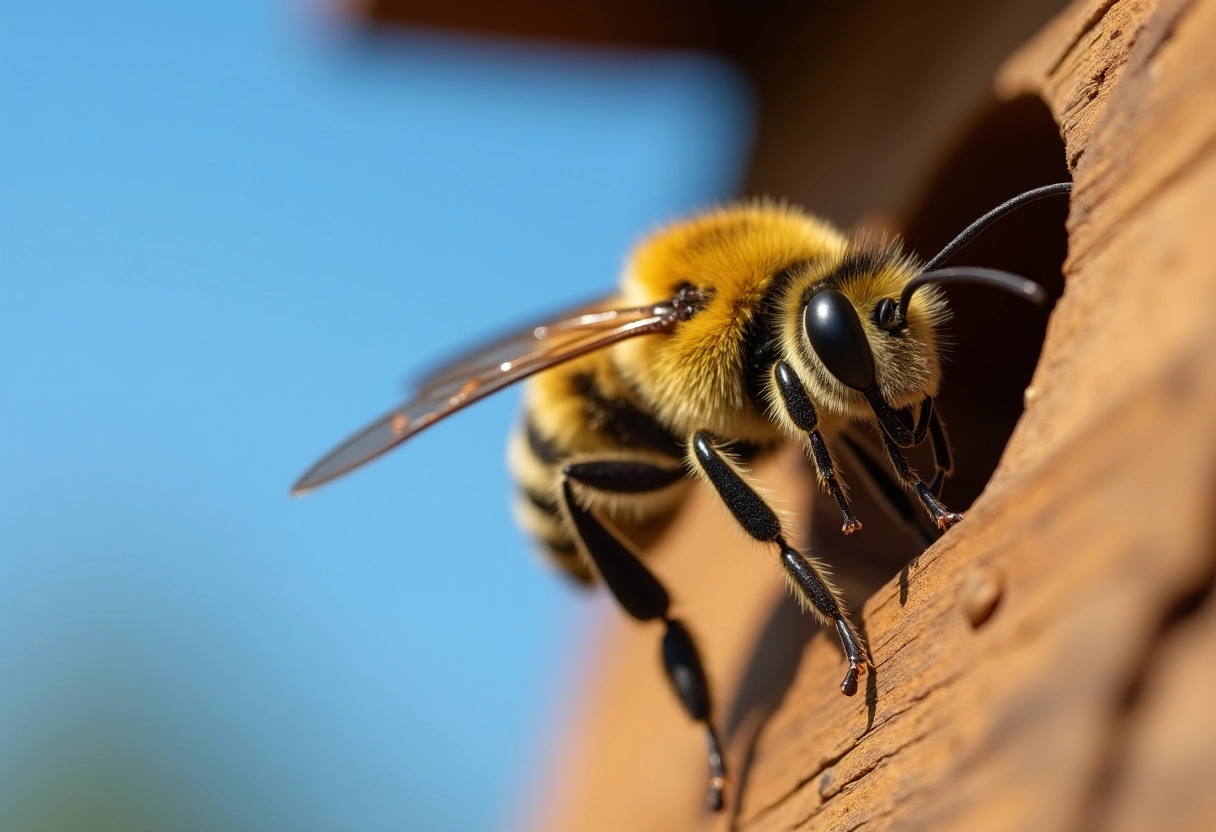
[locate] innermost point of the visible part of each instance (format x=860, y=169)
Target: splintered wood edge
x=1048, y=712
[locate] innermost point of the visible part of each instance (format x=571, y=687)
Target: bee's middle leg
x=638, y=591
x=758, y=520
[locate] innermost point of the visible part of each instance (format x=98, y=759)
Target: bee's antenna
x=976, y=228
x=1018, y=285
x=893, y=315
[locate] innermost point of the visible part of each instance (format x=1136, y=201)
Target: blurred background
x=230, y=231
x=228, y=234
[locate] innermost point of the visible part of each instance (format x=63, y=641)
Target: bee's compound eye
x=838, y=338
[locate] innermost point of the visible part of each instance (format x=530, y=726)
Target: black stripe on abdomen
x=628, y=425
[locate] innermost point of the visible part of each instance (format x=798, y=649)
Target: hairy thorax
x=695, y=378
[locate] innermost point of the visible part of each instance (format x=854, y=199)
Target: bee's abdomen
x=625, y=424
x=537, y=512
x=570, y=417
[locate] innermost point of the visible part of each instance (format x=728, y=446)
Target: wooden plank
x=679, y=24
x=1079, y=702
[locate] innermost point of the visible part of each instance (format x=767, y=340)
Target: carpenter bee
x=731, y=334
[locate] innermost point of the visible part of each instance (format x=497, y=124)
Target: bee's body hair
x=755, y=264
x=734, y=333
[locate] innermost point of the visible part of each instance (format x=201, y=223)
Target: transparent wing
x=493, y=353
x=476, y=375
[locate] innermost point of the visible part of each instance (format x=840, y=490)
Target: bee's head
x=831, y=321
x=866, y=332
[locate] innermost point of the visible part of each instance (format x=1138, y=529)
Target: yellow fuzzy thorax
x=695, y=378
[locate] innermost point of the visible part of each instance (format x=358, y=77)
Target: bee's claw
x=849, y=686
x=717, y=774
x=948, y=519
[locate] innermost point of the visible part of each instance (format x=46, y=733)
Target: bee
x=732, y=334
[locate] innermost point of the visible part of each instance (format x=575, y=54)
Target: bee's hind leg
x=808, y=580
x=639, y=592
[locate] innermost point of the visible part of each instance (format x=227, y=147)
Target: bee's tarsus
x=801, y=410
x=882, y=485
x=948, y=519
x=853, y=652
x=809, y=581
x=938, y=513
x=827, y=473
x=849, y=686
x=717, y=772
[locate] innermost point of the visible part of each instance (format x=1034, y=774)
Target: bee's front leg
x=886, y=490
x=810, y=583
x=801, y=411
x=937, y=512
x=943, y=461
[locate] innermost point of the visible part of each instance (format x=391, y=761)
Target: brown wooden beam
x=1047, y=664
x=685, y=24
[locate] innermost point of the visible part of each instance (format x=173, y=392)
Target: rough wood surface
x=1082, y=698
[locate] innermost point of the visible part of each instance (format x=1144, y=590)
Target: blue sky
x=226, y=238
